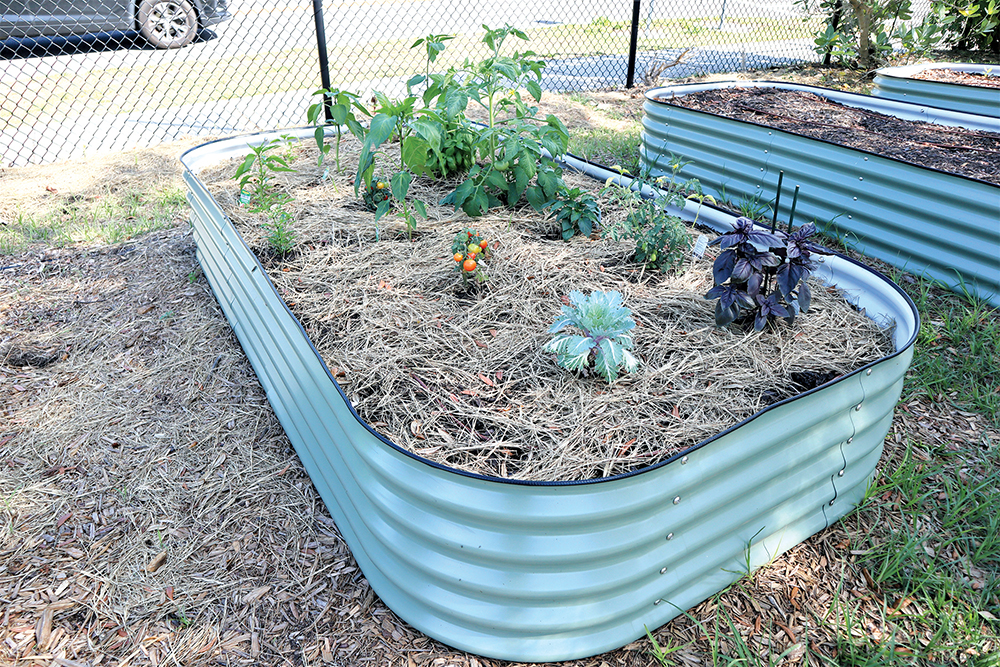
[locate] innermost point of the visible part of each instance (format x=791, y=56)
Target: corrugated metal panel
x=924, y=221
x=539, y=572
x=895, y=83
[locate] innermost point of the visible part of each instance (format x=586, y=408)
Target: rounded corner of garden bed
x=537, y=571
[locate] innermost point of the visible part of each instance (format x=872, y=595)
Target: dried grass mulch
x=457, y=374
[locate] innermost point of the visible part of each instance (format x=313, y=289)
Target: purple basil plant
x=761, y=275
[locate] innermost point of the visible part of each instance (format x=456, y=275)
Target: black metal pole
x=324, y=64
x=633, y=45
x=835, y=23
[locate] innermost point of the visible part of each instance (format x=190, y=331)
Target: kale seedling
x=606, y=340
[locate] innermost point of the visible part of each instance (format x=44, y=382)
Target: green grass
x=607, y=147
x=933, y=548
x=112, y=218
x=959, y=351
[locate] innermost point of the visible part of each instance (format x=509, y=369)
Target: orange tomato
x=484, y=244
x=469, y=265
x=458, y=257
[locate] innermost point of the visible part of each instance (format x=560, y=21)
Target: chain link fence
x=82, y=76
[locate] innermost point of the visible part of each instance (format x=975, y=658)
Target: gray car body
x=51, y=18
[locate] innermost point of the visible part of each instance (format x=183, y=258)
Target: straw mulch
x=456, y=373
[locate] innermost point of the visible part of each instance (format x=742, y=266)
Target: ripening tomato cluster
x=469, y=248
x=468, y=260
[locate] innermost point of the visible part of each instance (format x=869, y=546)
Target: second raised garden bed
x=930, y=84
x=920, y=219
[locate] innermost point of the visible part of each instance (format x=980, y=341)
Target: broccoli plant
x=606, y=340
x=762, y=275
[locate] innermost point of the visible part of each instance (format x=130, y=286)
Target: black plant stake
x=777, y=199
x=791, y=214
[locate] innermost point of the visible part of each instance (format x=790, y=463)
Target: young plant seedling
x=257, y=171
x=576, y=211
x=604, y=339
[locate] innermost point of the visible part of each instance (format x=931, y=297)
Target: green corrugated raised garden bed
x=965, y=87
x=504, y=492
x=915, y=204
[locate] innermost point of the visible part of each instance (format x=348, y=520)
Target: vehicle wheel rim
x=168, y=20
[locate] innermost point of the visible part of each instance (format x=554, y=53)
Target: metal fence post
x=835, y=23
x=633, y=45
x=324, y=64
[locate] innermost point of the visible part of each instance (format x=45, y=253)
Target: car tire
x=167, y=24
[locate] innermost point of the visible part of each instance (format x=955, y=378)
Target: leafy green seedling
x=606, y=340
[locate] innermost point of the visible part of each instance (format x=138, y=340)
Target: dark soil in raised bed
x=962, y=78
x=971, y=153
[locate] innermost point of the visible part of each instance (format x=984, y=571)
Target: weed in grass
x=110, y=218
x=933, y=551
x=726, y=644
x=662, y=654
x=753, y=208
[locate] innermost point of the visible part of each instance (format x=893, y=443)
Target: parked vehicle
x=166, y=24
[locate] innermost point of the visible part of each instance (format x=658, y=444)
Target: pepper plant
x=576, y=211
x=511, y=163
x=342, y=106
x=604, y=339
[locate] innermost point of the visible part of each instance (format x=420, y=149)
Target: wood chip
x=157, y=562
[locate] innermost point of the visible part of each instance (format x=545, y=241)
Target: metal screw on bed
x=670, y=536
x=868, y=372
x=684, y=460
x=840, y=474
x=831, y=503
x=677, y=500
x=663, y=570
x=850, y=440
x=658, y=602
x=857, y=407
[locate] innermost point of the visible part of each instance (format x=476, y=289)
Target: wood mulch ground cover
x=959, y=77
x=971, y=153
